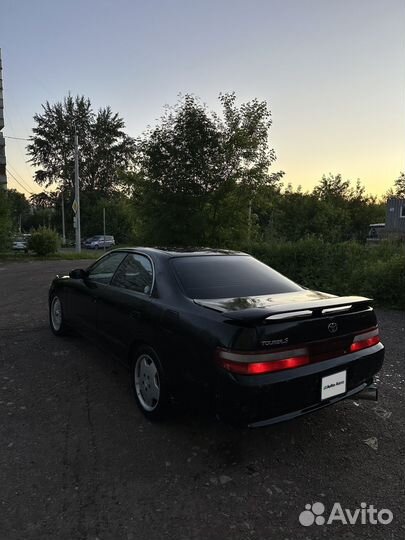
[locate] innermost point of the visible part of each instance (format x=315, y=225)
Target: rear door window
x=135, y=274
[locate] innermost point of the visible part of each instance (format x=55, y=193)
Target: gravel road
x=78, y=461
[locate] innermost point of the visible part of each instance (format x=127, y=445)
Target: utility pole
x=104, y=227
x=63, y=220
x=249, y=220
x=3, y=176
x=76, y=202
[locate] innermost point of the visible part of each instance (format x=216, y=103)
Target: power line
x=18, y=146
x=15, y=172
x=18, y=182
x=16, y=138
x=20, y=177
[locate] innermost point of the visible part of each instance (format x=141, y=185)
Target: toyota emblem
x=332, y=327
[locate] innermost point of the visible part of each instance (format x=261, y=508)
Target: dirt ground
x=78, y=461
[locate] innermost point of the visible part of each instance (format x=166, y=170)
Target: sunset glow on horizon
x=333, y=74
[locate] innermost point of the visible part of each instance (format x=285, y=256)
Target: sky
x=332, y=72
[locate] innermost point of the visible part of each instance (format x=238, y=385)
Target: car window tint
x=103, y=271
x=229, y=276
x=135, y=273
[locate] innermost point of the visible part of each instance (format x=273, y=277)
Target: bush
x=44, y=241
x=346, y=268
x=383, y=280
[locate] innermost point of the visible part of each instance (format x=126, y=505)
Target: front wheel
x=56, y=320
x=150, y=384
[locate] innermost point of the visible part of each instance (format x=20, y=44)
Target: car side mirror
x=78, y=273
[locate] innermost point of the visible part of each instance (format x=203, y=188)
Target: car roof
x=168, y=252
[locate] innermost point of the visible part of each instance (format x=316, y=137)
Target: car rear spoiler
x=294, y=310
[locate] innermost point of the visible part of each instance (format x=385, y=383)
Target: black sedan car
x=264, y=348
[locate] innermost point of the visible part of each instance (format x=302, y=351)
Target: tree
x=332, y=187
x=19, y=209
x=198, y=170
x=5, y=223
x=105, y=150
x=44, y=200
x=119, y=216
x=335, y=211
x=399, y=187
x=298, y=215
x=44, y=207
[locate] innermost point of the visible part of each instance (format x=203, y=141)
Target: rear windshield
x=229, y=276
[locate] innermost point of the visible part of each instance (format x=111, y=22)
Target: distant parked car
x=99, y=241
x=83, y=242
x=20, y=244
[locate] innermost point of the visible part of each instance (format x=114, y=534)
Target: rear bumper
x=258, y=401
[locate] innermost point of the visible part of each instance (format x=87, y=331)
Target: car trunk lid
x=325, y=322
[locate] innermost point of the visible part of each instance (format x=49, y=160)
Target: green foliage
x=197, y=172
x=399, y=187
x=120, y=216
x=44, y=241
x=120, y=219
x=105, y=150
x=45, y=208
x=5, y=222
x=202, y=178
x=343, y=268
x=333, y=212
x=19, y=209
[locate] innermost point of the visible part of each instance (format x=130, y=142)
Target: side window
x=103, y=271
x=135, y=274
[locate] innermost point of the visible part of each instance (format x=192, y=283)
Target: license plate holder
x=333, y=385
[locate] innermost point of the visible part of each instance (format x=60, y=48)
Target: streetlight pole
x=63, y=220
x=76, y=203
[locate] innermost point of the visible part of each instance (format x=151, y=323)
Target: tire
x=149, y=384
x=56, y=321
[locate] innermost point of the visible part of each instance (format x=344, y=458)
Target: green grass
x=67, y=256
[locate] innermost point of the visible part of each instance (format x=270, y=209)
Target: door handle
x=135, y=314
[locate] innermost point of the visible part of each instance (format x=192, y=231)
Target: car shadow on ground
x=194, y=423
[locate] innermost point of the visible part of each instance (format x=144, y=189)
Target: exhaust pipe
x=369, y=392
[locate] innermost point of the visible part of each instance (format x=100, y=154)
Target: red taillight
x=364, y=341
x=260, y=363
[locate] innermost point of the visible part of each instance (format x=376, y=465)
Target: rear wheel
x=150, y=384
x=56, y=321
